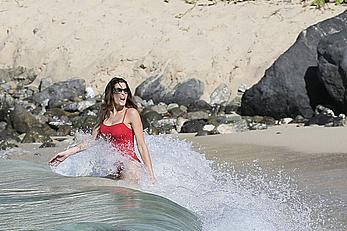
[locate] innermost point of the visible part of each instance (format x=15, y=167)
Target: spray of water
x=224, y=198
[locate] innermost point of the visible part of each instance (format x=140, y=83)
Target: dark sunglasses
x=118, y=90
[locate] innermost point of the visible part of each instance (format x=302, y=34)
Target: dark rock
x=84, y=123
x=8, y=134
x=228, y=118
x=47, y=145
x=257, y=126
x=233, y=106
x=202, y=133
x=184, y=93
x=45, y=83
x=21, y=75
x=161, y=108
x=36, y=136
x=299, y=119
x=290, y=86
x=332, y=69
x=65, y=130
x=192, y=126
x=6, y=144
x=79, y=106
x=320, y=119
x=153, y=89
x=199, y=105
x=6, y=101
x=325, y=116
x=23, y=121
x=197, y=115
x=165, y=126
x=148, y=116
x=61, y=91
x=188, y=92
x=176, y=112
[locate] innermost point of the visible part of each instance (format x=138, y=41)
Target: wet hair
x=108, y=103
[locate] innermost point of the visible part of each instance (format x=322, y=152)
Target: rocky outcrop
x=183, y=93
x=291, y=86
x=58, y=92
x=332, y=69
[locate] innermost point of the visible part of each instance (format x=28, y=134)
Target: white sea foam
x=224, y=199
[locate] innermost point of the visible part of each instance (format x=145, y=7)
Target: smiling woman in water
x=119, y=122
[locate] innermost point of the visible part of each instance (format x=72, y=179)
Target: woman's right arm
x=61, y=156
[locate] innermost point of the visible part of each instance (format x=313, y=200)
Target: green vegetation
x=320, y=3
x=317, y=3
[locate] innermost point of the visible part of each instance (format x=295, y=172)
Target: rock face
x=188, y=92
x=332, y=66
x=291, y=86
x=66, y=90
x=152, y=89
x=183, y=93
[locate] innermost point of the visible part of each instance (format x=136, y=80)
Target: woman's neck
x=118, y=108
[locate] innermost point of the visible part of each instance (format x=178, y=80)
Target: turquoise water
x=33, y=198
x=191, y=193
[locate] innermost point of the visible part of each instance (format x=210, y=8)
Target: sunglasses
x=118, y=90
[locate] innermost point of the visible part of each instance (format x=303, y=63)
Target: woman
x=119, y=121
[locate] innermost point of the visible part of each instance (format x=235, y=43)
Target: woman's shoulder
x=132, y=112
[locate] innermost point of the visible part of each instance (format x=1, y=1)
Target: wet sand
x=315, y=157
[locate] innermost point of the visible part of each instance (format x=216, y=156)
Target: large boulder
x=291, y=86
x=332, y=66
x=58, y=92
x=188, y=92
x=156, y=89
x=23, y=122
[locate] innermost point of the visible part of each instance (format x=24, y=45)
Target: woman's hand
x=61, y=156
x=152, y=179
x=58, y=158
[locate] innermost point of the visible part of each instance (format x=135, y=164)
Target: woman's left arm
x=137, y=127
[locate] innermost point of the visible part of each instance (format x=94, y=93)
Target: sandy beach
x=317, y=155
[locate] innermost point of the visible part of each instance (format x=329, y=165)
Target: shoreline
x=316, y=172
x=314, y=154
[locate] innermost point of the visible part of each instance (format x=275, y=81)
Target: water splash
x=222, y=197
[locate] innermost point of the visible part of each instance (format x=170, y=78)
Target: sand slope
x=231, y=43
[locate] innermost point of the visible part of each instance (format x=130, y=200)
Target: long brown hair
x=108, y=103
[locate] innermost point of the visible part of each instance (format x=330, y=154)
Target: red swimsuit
x=121, y=137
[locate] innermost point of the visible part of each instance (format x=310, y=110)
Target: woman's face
x=120, y=94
